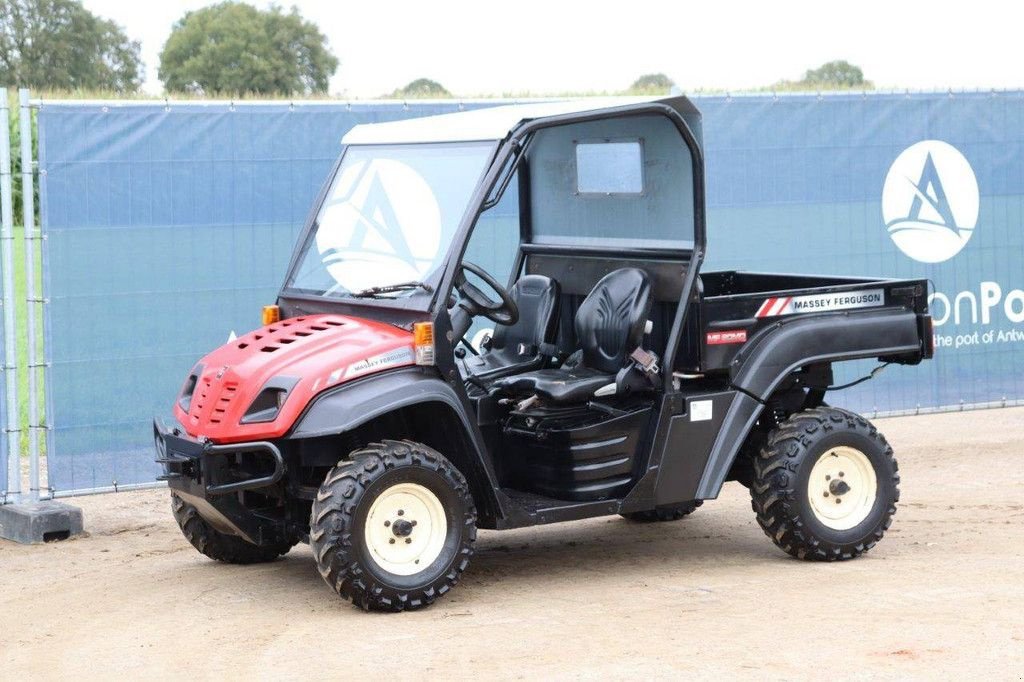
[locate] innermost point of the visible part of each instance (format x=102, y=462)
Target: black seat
x=526, y=344
x=609, y=327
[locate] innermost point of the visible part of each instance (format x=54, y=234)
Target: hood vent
x=280, y=334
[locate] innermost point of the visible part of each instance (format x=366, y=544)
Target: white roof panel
x=490, y=123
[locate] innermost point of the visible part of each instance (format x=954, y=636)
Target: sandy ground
x=941, y=596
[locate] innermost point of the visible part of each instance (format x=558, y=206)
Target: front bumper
x=205, y=476
x=186, y=459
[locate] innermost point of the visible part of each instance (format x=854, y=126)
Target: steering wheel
x=476, y=302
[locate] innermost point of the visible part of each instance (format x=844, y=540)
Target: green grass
x=21, y=336
x=20, y=304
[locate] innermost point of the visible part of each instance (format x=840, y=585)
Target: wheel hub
x=842, y=487
x=406, y=528
x=838, y=487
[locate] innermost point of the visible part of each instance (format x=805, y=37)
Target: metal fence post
x=31, y=239
x=29, y=520
x=10, y=352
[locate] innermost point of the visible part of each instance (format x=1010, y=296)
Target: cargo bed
x=735, y=306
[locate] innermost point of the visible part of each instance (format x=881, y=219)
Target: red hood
x=320, y=351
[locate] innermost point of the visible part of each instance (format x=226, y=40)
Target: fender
x=351, y=405
x=778, y=350
x=775, y=352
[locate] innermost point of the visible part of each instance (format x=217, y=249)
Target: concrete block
x=35, y=522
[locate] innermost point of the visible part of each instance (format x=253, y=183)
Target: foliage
x=834, y=75
x=15, y=136
x=422, y=88
x=60, y=44
x=233, y=48
x=652, y=84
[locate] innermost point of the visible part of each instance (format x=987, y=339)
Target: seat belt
x=545, y=350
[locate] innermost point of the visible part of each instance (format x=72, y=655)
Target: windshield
x=388, y=219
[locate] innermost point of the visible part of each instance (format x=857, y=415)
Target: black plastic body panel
x=351, y=405
x=688, y=444
x=578, y=458
x=801, y=341
x=735, y=427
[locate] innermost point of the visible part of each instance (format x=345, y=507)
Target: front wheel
x=392, y=527
x=825, y=485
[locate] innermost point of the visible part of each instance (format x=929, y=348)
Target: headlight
x=185, y=398
x=270, y=400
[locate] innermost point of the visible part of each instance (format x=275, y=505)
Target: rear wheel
x=392, y=528
x=221, y=546
x=825, y=485
x=671, y=513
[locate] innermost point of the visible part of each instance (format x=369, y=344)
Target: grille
x=221, y=406
x=199, y=398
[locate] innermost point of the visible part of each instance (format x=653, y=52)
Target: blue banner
x=925, y=186
x=168, y=227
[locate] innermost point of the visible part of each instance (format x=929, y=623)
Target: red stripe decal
x=780, y=306
x=763, y=310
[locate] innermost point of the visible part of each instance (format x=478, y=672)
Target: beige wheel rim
x=405, y=529
x=842, y=487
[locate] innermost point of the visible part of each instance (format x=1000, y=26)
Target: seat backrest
x=537, y=297
x=610, y=321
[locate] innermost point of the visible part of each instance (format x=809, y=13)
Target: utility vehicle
x=363, y=419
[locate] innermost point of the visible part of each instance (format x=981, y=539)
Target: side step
x=529, y=509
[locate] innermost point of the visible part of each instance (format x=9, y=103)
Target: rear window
x=608, y=167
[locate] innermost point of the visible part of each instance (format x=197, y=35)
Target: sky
x=547, y=46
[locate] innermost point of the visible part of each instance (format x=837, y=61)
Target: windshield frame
x=419, y=299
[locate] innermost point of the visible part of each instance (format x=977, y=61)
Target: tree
x=422, y=88
x=652, y=83
x=14, y=133
x=60, y=45
x=834, y=75
x=233, y=48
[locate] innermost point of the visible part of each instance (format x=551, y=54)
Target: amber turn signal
x=423, y=342
x=271, y=314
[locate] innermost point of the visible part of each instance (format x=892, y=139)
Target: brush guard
x=183, y=457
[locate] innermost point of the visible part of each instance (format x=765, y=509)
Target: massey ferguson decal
x=402, y=356
x=817, y=303
x=724, y=337
x=394, y=358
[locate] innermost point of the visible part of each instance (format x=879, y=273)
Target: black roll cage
x=404, y=311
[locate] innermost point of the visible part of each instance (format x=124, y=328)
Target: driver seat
x=527, y=344
x=610, y=325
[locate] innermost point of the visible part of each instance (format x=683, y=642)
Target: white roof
x=490, y=123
